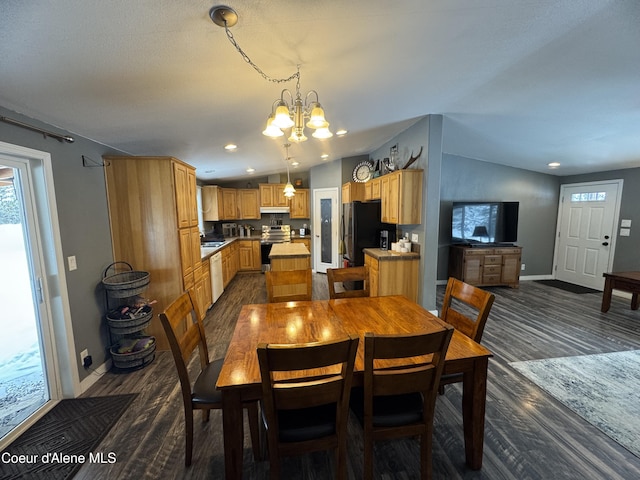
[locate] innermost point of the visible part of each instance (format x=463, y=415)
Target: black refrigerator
x=361, y=227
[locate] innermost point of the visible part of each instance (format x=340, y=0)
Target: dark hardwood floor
x=528, y=434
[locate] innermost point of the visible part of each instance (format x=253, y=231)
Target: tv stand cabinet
x=486, y=266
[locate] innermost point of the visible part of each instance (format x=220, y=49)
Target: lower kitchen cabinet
x=392, y=273
x=249, y=255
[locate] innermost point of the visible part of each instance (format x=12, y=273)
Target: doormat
x=569, y=287
x=57, y=445
x=603, y=389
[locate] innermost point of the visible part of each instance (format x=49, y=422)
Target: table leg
x=233, y=434
x=634, y=301
x=606, y=295
x=474, y=398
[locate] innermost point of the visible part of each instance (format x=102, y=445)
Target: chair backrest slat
x=288, y=285
x=466, y=308
x=350, y=274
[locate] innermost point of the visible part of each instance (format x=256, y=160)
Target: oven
x=272, y=234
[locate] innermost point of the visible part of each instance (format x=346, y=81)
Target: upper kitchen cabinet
x=154, y=225
x=372, y=189
x=300, y=204
x=352, y=192
x=401, y=196
x=248, y=204
x=272, y=195
x=218, y=203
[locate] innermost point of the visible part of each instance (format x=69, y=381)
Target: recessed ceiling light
x=341, y=132
x=324, y=156
x=230, y=147
x=553, y=164
x=295, y=164
x=251, y=170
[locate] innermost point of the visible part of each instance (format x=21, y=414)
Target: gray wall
x=84, y=226
x=627, y=254
x=466, y=179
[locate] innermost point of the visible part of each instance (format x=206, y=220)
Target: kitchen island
x=289, y=256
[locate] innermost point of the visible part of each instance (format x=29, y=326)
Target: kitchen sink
x=212, y=244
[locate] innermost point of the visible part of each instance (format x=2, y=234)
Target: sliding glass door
x=24, y=380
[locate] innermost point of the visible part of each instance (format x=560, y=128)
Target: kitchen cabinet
x=401, y=197
x=249, y=255
x=207, y=295
x=299, y=204
x=353, y=192
x=218, y=203
x=486, y=266
x=392, y=273
x=248, y=204
x=154, y=225
x=306, y=241
x=372, y=189
x=272, y=195
x=230, y=262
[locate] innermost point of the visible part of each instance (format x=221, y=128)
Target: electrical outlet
x=522, y=267
x=72, y=263
x=83, y=354
x=414, y=238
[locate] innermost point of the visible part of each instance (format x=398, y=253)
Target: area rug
x=57, y=445
x=603, y=389
x=568, y=287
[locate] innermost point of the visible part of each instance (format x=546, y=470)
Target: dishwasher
x=217, y=285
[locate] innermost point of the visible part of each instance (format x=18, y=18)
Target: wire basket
x=124, y=284
x=124, y=326
x=134, y=359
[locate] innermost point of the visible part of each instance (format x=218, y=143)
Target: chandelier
x=288, y=191
x=288, y=111
x=292, y=115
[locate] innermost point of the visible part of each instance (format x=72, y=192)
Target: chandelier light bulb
x=282, y=117
x=316, y=119
x=322, y=133
x=271, y=130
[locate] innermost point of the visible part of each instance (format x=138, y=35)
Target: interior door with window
x=326, y=219
x=587, y=219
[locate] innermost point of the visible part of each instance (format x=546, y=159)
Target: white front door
x=586, y=233
x=325, y=233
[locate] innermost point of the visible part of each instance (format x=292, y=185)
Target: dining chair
x=349, y=274
x=466, y=308
x=288, y=285
x=305, y=398
x=398, y=399
x=185, y=332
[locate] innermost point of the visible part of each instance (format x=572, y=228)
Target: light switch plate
x=625, y=223
x=72, y=263
x=414, y=238
x=624, y=232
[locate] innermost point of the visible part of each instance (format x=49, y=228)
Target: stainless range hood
x=274, y=210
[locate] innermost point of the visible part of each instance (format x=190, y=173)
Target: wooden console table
x=625, y=281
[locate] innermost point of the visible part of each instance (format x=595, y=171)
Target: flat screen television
x=484, y=222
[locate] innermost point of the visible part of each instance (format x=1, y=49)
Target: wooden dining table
x=320, y=320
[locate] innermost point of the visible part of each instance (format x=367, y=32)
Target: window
x=589, y=197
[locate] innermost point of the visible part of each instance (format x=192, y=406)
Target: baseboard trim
x=95, y=375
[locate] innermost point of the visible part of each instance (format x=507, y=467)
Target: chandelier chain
x=255, y=67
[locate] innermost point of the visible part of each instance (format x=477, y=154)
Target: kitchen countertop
x=289, y=250
x=384, y=255
x=206, y=252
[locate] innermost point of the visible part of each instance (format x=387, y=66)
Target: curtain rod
x=57, y=136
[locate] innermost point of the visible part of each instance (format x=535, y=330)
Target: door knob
x=605, y=243
x=606, y=237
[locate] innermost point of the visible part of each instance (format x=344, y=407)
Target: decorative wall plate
x=362, y=171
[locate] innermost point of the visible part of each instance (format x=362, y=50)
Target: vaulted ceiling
x=519, y=83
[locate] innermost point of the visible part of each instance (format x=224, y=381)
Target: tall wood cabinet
x=154, y=226
x=486, y=266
